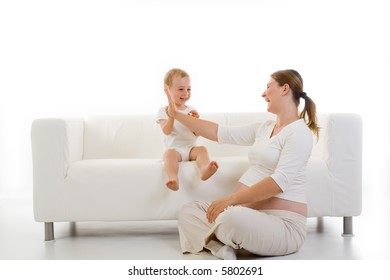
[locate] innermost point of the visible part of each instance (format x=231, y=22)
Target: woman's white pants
x=261, y=232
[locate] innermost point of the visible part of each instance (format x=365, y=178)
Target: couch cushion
x=134, y=189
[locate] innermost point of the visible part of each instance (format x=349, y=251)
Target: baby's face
x=180, y=91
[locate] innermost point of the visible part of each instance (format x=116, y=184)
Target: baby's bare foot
x=210, y=170
x=172, y=184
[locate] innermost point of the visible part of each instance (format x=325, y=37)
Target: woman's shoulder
x=268, y=123
x=302, y=126
x=298, y=125
x=259, y=126
x=299, y=131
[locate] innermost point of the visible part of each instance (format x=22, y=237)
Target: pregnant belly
x=276, y=203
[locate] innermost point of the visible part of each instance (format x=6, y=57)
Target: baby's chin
x=182, y=102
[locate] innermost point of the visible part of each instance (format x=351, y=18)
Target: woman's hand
x=217, y=207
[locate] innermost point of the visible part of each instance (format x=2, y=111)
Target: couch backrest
x=139, y=136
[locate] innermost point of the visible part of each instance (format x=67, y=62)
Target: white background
x=85, y=57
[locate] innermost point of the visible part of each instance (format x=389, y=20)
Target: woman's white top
x=283, y=156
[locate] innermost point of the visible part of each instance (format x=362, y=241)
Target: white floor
x=21, y=238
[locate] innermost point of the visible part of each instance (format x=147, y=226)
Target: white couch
x=109, y=168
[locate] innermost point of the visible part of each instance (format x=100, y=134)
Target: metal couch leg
x=49, y=231
x=347, y=227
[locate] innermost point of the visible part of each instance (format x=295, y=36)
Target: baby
x=179, y=140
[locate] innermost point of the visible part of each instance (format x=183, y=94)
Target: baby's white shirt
x=181, y=136
x=283, y=156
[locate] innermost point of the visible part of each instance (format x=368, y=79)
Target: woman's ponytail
x=295, y=81
x=309, y=114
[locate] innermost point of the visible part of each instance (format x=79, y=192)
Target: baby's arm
x=166, y=125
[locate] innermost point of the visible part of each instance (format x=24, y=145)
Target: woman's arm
x=204, y=128
x=261, y=191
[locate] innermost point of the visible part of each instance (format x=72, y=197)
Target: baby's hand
x=171, y=108
x=194, y=114
x=167, y=111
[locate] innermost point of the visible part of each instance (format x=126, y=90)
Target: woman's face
x=272, y=95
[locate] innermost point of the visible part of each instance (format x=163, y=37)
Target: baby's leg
x=207, y=168
x=209, y=171
x=171, y=165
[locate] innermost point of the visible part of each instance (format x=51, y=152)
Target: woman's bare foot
x=210, y=170
x=172, y=184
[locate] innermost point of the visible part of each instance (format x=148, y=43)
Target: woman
x=267, y=214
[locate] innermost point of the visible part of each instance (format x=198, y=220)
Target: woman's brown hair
x=295, y=81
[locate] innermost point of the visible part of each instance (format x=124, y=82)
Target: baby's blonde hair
x=173, y=73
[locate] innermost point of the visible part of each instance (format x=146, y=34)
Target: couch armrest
x=56, y=143
x=342, y=152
